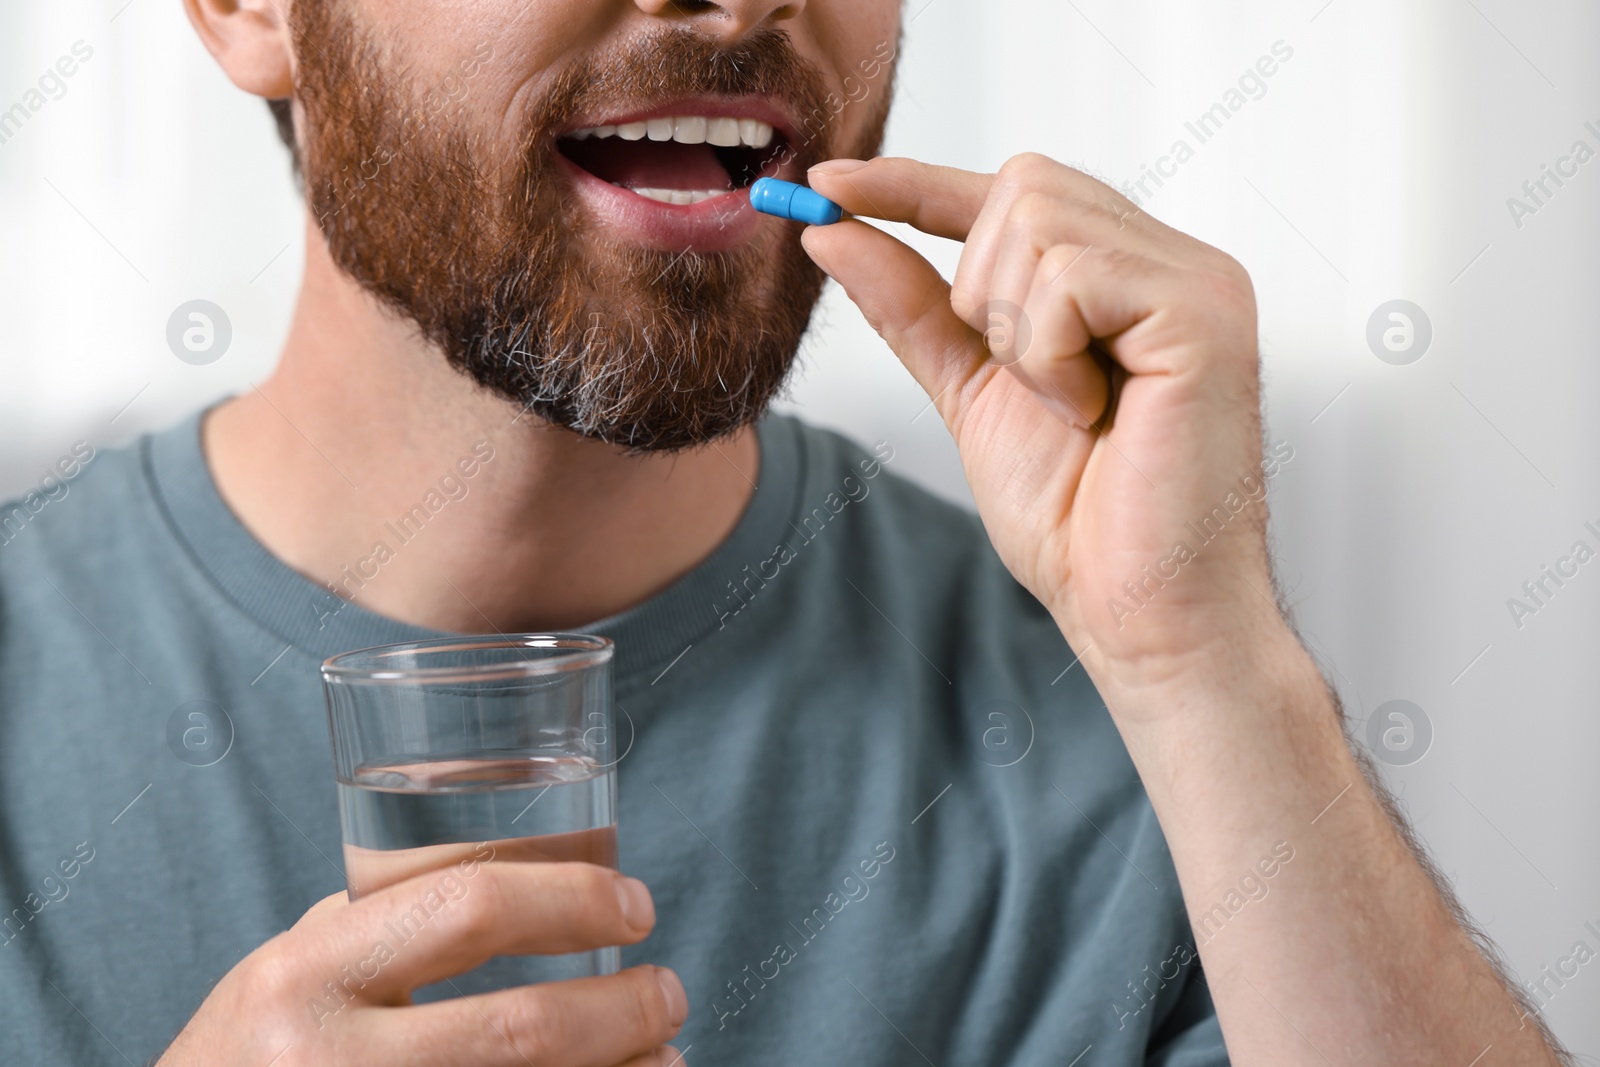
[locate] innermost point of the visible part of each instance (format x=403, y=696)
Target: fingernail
x=677, y=999
x=633, y=897
x=837, y=167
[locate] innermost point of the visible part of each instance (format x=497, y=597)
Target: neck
x=367, y=462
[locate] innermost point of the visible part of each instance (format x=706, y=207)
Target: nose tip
x=725, y=18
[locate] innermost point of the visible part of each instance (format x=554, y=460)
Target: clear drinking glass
x=463, y=750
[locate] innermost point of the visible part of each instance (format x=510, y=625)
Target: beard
x=482, y=246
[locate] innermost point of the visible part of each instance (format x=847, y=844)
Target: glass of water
x=463, y=750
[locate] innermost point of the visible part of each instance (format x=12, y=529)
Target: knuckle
x=479, y=913
x=1230, y=283
x=1236, y=272
x=274, y=975
x=1033, y=211
x=880, y=327
x=1057, y=260
x=1028, y=167
x=533, y=1021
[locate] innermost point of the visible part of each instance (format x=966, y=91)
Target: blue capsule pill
x=787, y=200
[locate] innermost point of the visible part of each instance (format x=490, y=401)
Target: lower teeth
x=679, y=196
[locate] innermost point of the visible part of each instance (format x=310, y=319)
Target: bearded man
x=1057, y=784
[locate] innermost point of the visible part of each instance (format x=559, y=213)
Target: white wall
x=1376, y=167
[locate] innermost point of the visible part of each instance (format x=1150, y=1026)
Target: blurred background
x=1441, y=458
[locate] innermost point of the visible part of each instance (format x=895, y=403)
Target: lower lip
x=719, y=224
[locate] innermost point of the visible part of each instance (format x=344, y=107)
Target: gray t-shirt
x=885, y=817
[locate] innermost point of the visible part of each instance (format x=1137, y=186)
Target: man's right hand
x=277, y=1007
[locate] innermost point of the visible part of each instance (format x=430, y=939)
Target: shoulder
x=74, y=534
x=76, y=506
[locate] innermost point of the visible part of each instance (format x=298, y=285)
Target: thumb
x=905, y=300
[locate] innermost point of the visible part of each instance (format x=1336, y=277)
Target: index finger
x=943, y=201
x=443, y=923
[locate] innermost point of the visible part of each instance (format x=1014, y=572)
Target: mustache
x=677, y=62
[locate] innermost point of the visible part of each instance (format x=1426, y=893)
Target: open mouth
x=679, y=160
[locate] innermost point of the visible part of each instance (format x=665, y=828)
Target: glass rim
x=574, y=651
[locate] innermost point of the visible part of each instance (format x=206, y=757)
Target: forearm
x=1347, y=952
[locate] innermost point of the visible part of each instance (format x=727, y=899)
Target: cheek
x=510, y=50
x=854, y=43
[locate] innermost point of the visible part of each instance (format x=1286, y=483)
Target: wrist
x=1243, y=730
x=1201, y=666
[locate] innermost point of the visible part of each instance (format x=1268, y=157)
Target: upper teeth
x=696, y=129
x=680, y=196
